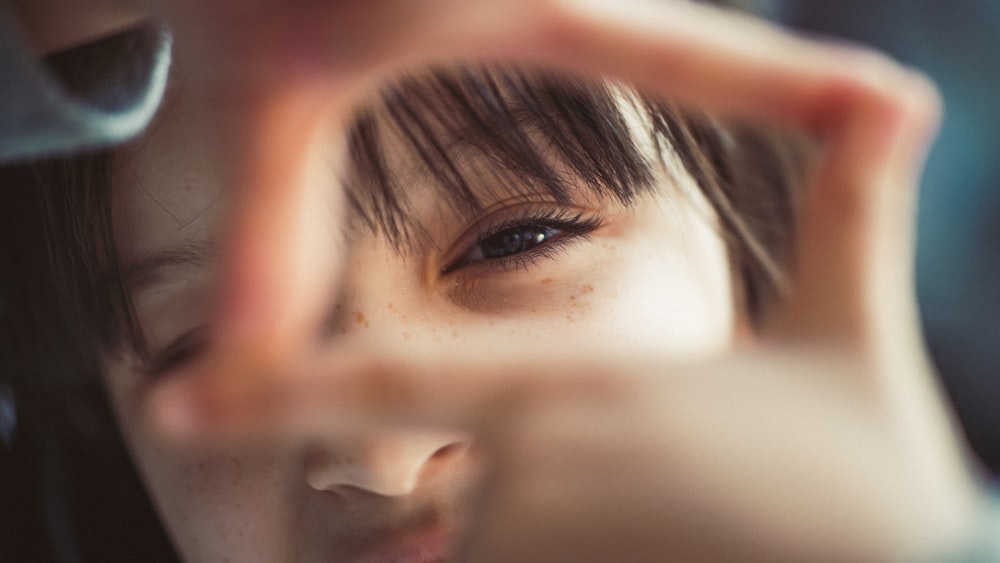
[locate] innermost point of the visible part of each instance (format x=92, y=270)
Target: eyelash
x=573, y=225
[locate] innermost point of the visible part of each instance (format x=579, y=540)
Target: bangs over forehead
x=481, y=134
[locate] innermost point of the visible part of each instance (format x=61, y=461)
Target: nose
x=389, y=465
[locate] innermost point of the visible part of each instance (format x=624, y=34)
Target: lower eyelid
x=515, y=285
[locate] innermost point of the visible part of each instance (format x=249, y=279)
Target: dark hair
x=59, y=315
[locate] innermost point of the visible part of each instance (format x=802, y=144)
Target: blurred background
x=958, y=269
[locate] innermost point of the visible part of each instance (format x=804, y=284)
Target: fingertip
x=926, y=102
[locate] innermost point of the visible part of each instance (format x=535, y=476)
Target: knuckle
x=871, y=84
x=561, y=22
x=875, y=81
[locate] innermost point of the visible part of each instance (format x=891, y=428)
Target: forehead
x=167, y=185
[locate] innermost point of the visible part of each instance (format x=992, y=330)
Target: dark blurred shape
x=8, y=416
x=958, y=268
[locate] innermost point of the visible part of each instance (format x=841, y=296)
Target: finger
x=274, y=290
x=358, y=386
x=271, y=155
x=679, y=472
x=491, y=381
x=853, y=270
x=713, y=59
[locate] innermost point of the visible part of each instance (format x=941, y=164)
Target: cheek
x=665, y=301
x=649, y=290
x=218, y=507
x=215, y=507
x=665, y=288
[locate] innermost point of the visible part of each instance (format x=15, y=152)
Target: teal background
x=958, y=272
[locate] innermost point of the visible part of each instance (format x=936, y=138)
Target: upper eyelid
x=565, y=217
x=509, y=211
x=528, y=258
x=553, y=217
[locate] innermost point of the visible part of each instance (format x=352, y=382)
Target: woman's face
x=650, y=277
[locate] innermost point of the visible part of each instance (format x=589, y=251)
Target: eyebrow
x=150, y=269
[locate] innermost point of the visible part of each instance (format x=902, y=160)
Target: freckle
x=572, y=297
x=407, y=335
x=547, y=281
x=587, y=289
x=493, y=323
x=390, y=306
x=359, y=317
x=571, y=319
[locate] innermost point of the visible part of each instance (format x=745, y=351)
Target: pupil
x=514, y=241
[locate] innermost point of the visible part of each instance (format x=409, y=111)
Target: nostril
x=388, y=465
x=449, y=450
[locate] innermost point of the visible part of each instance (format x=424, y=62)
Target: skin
x=827, y=437
x=653, y=280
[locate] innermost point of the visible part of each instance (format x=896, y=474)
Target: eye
x=523, y=238
x=512, y=241
x=181, y=351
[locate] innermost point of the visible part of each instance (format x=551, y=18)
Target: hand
x=837, y=395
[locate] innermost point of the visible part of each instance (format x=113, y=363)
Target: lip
x=427, y=546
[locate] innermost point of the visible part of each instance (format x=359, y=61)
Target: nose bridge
x=377, y=303
x=388, y=464
x=372, y=291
